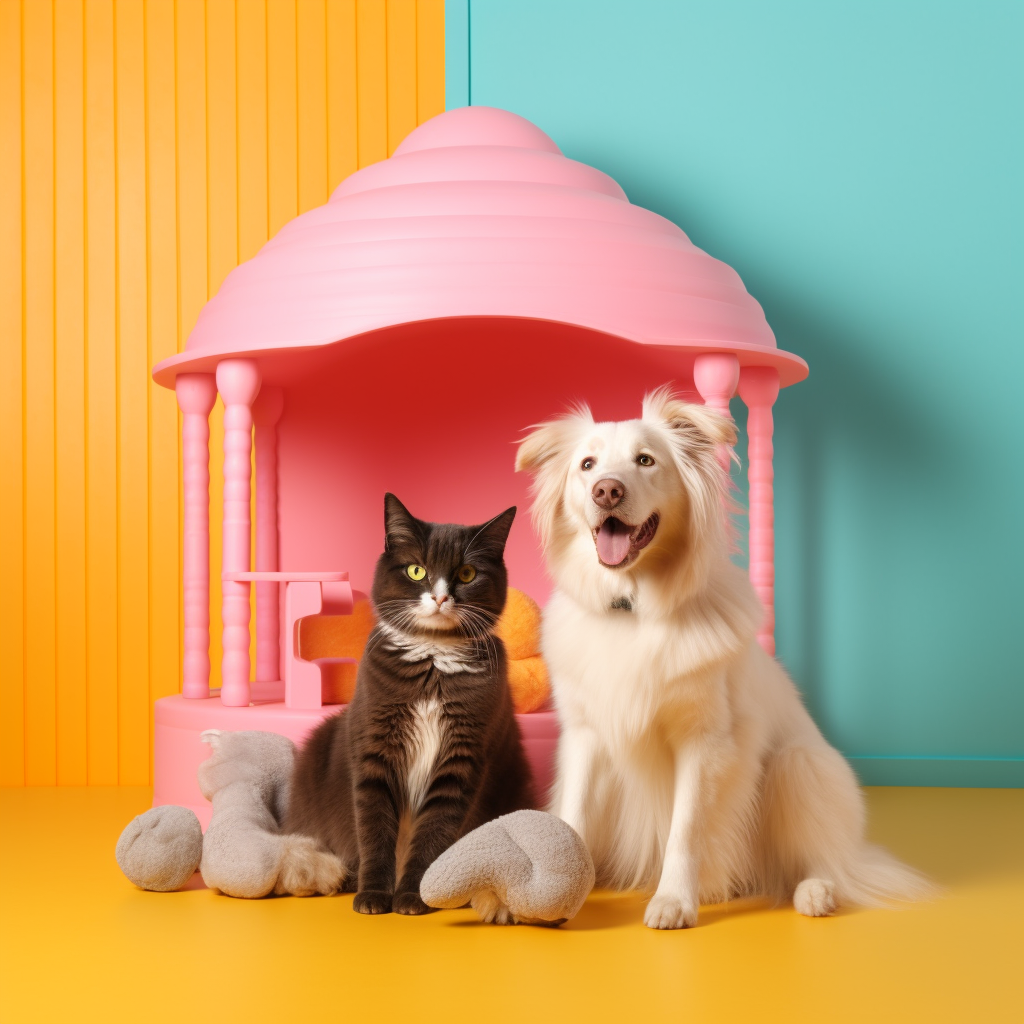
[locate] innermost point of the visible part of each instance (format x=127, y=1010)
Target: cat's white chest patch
x=446, y=657
x=426, y=734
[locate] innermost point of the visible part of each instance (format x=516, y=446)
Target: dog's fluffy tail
x=875, y=878
x=814, y=837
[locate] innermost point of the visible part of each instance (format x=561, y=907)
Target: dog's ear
x=695, y=425
x=548, y=440
x=545, y=453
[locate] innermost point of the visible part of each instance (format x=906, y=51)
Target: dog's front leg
x=677, y=900
x=577, y=752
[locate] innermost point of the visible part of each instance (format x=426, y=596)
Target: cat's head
x=441, y=578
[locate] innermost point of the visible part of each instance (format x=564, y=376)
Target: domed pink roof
x=478, y=213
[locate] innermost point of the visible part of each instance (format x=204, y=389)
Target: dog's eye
x=415, y=572
x=645, y=460
x=587, y=463
x=467, y=574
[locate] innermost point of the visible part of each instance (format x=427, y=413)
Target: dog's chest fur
x=623, y=674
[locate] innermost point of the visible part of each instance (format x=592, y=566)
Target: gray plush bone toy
x=525, y=867
x=243, y=852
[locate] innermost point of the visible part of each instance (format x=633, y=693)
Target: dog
x=687, y=761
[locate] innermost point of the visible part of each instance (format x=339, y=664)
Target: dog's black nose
x=608, y=493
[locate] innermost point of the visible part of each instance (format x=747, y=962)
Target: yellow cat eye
x=467, y=574
x=415, y=572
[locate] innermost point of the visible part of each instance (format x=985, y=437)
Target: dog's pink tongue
x=612, y=542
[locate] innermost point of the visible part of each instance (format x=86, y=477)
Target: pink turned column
x=196, y=393
x=238, y=381
x=266, y=411
x=759, y=387
x=715, y=375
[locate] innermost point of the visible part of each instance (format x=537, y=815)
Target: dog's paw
x=372, y=901
x=814, y=897
x=491, y=909
x=410, y=903
x=667, y=912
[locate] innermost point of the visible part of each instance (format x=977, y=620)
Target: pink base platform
x=178, y=749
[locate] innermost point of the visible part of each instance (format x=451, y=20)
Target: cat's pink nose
x=439, y=599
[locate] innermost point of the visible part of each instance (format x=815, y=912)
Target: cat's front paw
x=372, y=901
x=410, y=903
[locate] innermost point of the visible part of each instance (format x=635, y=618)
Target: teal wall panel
x=456, y=54
x=861, y=166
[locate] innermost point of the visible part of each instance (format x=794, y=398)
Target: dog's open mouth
x=618, y=543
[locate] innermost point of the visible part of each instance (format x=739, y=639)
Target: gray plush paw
x=161, y=849
x=528, y=867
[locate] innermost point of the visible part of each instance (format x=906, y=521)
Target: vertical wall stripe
x=342, y=90
x=372, y=88
x=429, y=59
x=69, y=365
x=311, y=94
x=133, y=388
x=40, y=568
x=282, y=112
x=457, y=54
x=12, y=383
x=401, y=70
x=251, y=69
x=101, y=399
x=162, y=341
x=148, y=147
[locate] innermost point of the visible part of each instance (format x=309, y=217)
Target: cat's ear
x=494, y=533
x=400, y=525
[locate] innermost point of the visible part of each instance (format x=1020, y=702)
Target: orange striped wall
x=146, y=147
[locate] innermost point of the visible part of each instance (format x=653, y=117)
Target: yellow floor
x=80, y=944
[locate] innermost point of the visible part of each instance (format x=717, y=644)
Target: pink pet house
x=399, y=338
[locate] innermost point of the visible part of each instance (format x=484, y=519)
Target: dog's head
x=615, y=502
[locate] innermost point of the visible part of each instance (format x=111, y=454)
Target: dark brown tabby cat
x=429, y=742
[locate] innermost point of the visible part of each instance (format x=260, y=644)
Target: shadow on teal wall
x=861, y=166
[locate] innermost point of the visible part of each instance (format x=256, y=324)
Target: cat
x=429, y=748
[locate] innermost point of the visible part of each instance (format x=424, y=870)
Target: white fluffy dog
x=686, y=761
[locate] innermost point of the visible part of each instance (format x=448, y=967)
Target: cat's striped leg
x=435, y=827
x=377, y=830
